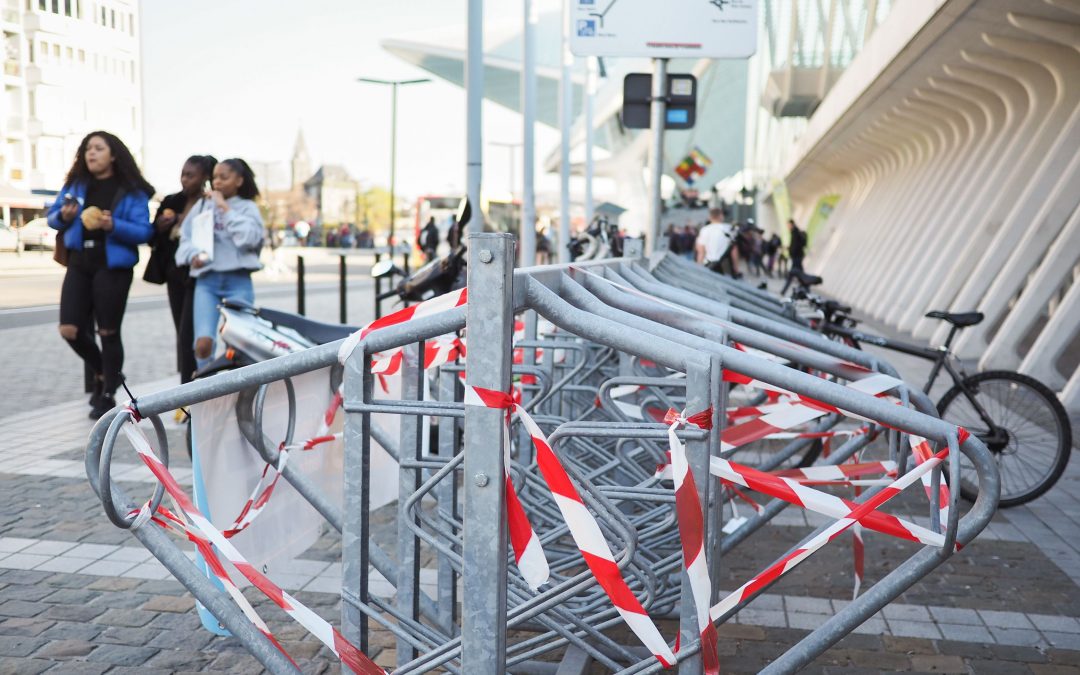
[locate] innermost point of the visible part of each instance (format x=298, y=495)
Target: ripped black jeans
x=94, y=294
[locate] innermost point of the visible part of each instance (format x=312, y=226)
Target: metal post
x=393, y=157
x=590, y=100
x=356, y=530
x=301, y=292
x=656, y=152
x=528, y=111
x=474, y=93
x=343, y=309
x=566, y=112
x=378, y=287
x=447, y=496
x=407, y=598
x=490, y=320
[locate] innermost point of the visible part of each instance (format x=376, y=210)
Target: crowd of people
x=732, y=248
x=205, y=242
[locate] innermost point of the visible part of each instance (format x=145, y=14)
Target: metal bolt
x=481, y=479
x=485, y=256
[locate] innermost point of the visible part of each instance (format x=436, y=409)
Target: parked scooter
x=440, y=276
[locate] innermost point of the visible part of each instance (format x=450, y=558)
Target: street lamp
x=394, y=84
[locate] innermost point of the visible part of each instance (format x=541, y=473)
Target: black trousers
x=181, y=290
x=92, y=291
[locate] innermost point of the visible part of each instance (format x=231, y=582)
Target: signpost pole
x=656, y=152
x=566, y=113
x=528, y=110
x=474, y=91
x=590, y=99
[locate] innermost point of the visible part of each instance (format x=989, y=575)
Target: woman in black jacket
x=162, y=268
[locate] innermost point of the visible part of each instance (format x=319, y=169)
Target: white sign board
x=718, y=29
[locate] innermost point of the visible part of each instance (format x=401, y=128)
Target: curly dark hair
x=248, y=190
x=124, y=166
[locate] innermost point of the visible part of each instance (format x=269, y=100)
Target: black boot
x=95, y=393
x=106, y=402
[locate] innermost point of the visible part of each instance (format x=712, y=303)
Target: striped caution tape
x=796, y=557
x=440, y=303
x=692, y=535
x=583, y=526
x=212, y=542
x=920, y=449
x=794, y=492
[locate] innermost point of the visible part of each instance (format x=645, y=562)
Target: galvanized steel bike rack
x=665, y=326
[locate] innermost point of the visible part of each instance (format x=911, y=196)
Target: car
x=9, y=239
x=38, y=234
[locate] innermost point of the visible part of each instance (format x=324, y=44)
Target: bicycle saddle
x=960, y=320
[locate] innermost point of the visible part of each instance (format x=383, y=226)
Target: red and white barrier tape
x=437, y=352
x=797, y=556
x=200, y=529
x=426, y=308
x=793, y=492
x=785, y=416
x=583, y=527
x=692, y=535
x=920, y=449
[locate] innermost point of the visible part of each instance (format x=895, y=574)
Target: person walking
x=796, y=246
x=797, y=251
x=103, y=214
x=223, y=273
x=714, y=245
x=162, y=268
x=429, y=239
x=772, y=248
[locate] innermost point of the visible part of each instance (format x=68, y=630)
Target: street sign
x=719, y=29
x=681, y=109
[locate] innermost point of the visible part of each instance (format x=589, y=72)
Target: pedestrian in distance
x=429, y=239
x=238, y=233
x=543, y=247
x=162, y=268
x=796, y=246
x=715, y=245
x=796, y=250
x=772, y=249
x=687, y=240
x=103, y=214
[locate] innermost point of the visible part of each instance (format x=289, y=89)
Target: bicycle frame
x=939, y=356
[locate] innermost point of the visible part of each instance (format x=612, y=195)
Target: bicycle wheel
x=1035, y=440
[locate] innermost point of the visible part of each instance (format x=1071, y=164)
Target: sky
x=239, y=78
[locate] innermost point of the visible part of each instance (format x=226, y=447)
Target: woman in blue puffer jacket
x=103, y=214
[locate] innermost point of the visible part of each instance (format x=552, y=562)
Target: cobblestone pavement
x=79, y=596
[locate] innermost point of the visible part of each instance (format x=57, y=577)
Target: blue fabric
x=131, y=225
x=210, y=289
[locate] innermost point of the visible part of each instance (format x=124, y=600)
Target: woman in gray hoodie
x=223, y=273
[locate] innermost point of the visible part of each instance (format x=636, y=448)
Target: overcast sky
x=239, y=78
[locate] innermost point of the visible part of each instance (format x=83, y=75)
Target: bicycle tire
x=1043, y=413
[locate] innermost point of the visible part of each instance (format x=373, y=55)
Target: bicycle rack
x=664, y=330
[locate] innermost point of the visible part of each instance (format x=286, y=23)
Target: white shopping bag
x=202, y=232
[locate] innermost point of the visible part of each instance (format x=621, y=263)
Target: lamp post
x=394, y=84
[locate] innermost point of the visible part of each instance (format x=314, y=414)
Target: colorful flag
x=695, y=164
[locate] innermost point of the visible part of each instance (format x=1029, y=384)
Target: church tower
x=301, y=162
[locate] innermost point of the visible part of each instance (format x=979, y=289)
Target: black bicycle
x=1019, y=419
